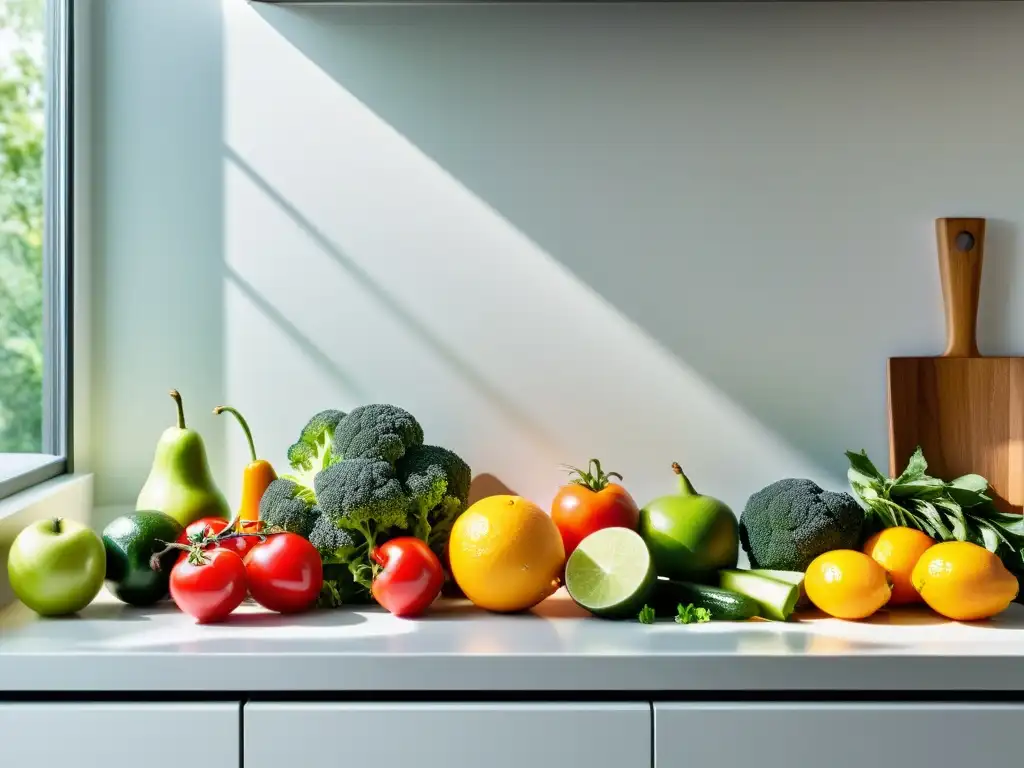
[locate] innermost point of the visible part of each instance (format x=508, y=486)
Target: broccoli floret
x=790, y=522
x=437, y=482
x=380, y=432
x=314, y=449
x=288, y=506
x=364, y=497
x=335, y=545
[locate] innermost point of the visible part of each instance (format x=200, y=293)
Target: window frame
x=58, y=159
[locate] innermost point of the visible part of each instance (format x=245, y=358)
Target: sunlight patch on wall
x=429, y=298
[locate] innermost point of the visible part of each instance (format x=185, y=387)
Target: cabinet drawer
x=114, y=735
x=837, y=735
x=450, y=735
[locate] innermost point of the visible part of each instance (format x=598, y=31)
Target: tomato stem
x=594, y=478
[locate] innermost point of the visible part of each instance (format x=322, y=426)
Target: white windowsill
x=20, y=471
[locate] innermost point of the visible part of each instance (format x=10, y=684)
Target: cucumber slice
x=777, y=599
x=790, y=577
x=610, y=573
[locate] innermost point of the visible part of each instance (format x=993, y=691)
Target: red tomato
x=240, y=545
x=285, y=573
x=211, y=590
x=590, y=503
x=411, y=578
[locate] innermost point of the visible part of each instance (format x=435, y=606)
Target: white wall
x=644, y=233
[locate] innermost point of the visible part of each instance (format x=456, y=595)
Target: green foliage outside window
x=21, y=225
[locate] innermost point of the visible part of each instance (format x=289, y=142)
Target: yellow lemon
x=898, y=550
x=506, y=553
x=963, y=581
x=847, y=584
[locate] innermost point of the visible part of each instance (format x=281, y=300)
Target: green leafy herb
x=690, y=614
x=646, y=615
x=954, y=510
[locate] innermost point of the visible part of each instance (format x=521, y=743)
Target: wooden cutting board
x=964, y=410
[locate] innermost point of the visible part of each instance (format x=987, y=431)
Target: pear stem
x=245, y=427
x=181, y=408
x=685, y=488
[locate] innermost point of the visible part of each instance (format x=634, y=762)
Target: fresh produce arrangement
x=679, y=562
x=955, y=510
x=368, y=512
x=358, y=480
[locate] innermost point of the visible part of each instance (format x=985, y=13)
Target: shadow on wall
x=414, y=326
x=485, y=485
x=366, y=270
x=709, y=181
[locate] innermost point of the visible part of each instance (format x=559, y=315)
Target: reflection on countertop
x=556, y=646
x=556, y=626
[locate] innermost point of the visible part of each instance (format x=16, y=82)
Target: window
x=35, y=255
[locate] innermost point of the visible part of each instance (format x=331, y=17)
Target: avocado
x=130, y=541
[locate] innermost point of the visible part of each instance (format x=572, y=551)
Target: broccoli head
x=288, y=506
x=314, y=449
x=377, y=431
x=358, y=480
x=790, y=522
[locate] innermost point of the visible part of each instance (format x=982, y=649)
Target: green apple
x=56, y=566
x=690, y=536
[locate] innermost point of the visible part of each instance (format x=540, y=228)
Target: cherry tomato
x=240, y=545
x=411, y=578
x=214, y=525
x=285, y=573
x=211, y=590
x=590, y=503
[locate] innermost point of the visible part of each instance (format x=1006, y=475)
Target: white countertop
x=555, y=648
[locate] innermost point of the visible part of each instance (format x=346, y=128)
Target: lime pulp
x=611, y=573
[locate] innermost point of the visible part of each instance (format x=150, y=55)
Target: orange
x=847, y=584
x=963, y=581
x=506, y=553
x=898, y=550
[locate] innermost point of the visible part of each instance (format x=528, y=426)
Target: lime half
x=610, y=573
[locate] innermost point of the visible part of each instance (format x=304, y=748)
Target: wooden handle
x=961, y=248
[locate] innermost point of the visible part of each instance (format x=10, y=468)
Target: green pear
x=180, y=483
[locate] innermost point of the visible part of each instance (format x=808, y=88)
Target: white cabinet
x=839, y=735
x=91, y=735
x=449, y=735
